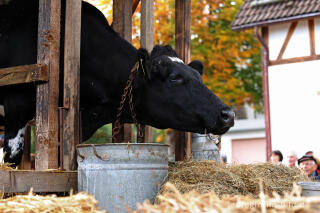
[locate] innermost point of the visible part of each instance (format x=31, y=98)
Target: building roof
x=265, y=12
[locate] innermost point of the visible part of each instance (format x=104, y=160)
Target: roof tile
x=250, y=16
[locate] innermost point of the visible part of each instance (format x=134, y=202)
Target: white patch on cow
x=16, y=143
x=175, y=59
x=2, y=110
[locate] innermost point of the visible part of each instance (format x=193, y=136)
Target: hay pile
x=30, y=203
x=206, y=176
x=173, y=201
x=5, y=166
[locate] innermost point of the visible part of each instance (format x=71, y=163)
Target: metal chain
x=128, y=93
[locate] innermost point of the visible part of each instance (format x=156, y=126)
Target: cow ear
x=197, y=65
x=143, y=58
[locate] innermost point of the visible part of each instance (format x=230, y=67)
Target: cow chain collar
x=128, y=93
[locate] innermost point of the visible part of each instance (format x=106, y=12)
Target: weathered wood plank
x=147, y=42
x=122, y=23
x=23, y=74
x=135, y=4
x=40, y=181
x=72, y=80
x=48, y=93
x=122, y=19
x=182, y=32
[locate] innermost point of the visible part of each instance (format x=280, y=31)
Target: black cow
x=167, y=93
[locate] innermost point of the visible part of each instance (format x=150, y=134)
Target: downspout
x=265, y=86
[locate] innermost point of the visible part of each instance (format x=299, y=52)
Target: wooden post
x=147, y=42
x=265, y=85
x=183, y=12
x=122, y=23
x=48, y=93
x=71, y=134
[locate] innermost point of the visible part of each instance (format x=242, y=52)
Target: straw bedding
x=207, y=176
x=173, y=201
x=30, y=203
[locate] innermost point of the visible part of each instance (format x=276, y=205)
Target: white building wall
x=294, y=92
x=243, y=129
x=277, y=36
x=299, y=44
x=317, y=35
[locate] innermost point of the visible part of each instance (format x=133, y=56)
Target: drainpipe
x=265, y=86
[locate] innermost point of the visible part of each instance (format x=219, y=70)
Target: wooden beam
x=295, y=60
x=288, y=37
x=23, y=74
x=311, y=37
x=265, y=86
x=183, y=13
x=147, y=15
x=122, y=23
x=40, y=181
x=135, y=4
x=48, y=93
x=71, y=93
x=122, y=20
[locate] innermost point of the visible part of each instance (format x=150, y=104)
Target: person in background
x=317, y=159
x=276, y=157
x=1, y=149
x=308, y=166
x=223, y=159
x=292, y=159
x=1, y=140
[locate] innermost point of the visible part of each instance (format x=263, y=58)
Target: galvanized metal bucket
x=122, y=175
x=310, y=188
x=203, y=148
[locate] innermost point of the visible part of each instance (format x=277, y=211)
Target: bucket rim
x=123, y=144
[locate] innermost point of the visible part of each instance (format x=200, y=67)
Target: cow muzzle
x=227, y=118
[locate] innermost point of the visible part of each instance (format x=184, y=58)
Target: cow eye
x=176, y=78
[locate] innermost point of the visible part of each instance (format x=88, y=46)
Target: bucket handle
x=81, y=156
x=96, y=153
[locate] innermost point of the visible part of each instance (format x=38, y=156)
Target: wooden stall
x=48, y=176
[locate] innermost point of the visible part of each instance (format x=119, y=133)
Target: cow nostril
x=227, y=116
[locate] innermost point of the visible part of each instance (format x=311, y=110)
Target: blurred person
x=308, y=166
x=1, y=140
x=223, y=159
x=317, y=159
x=292, y=159
x=1, y=149
x=276, y=157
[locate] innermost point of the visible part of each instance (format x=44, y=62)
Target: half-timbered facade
x=289, y=32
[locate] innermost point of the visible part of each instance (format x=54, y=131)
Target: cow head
x=170, y=94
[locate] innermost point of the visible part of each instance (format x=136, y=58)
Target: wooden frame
x=311, y=57
x=264, y=39
x=40, y=181
x=122, y=23
x=71, y=93
x=147, y=42
x=23, y=74
x=182, y=32
x=47, y=95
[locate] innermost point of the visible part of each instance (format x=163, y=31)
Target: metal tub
x=310, y=188
x=122, y=175
x=203, y=148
